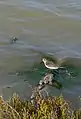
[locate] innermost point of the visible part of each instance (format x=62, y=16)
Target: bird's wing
x=50, y=58
x=50, y=63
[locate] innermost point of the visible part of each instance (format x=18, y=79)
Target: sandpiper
x=46, y=79
x=50, y=65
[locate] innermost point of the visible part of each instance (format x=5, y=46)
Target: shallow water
x=47, y=26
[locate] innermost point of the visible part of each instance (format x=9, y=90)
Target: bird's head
x=44, y=60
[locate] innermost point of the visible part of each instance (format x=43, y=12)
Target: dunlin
x=50, y=65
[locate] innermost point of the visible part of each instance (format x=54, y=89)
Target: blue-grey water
x=47, y=26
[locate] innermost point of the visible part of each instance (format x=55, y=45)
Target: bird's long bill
x=56, y=84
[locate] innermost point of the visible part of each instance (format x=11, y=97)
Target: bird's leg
x=55, y=72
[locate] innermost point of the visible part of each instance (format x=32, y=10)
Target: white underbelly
x=51, y=67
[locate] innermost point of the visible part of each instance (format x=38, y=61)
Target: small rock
x=13, y=39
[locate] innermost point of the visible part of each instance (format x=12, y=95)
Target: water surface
x=48, y=26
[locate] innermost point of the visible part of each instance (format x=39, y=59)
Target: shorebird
x=50, y=65
x=46, y=79
x=13, y=39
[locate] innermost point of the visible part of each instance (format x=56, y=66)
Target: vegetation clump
x=40, y=108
